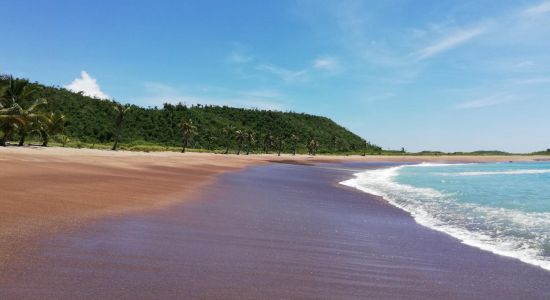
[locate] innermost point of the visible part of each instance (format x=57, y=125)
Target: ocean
x=500, y=207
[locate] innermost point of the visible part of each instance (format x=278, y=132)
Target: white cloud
x=87, y=85
x=326, y=63
x=485, y=101
x=524, y=64
x=451, y=41
x=539, y=9
x=535, y=80
x=240, y=54
x=239, y=58
x=285, y=74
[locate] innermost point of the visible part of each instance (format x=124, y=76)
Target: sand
x=47, y=192
x=45, y=189
x=275, y=231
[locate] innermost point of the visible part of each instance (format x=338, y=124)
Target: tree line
x=46, y=112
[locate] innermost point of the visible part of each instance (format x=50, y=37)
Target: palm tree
x=187, y=132
x=279, y=144
x=228, y=130
x=17, y=91
x=9, y=116
x=211, y=140
x=52, y=124
x=250, y=141
x=120, y=111
x=241, y=137
x=268, y=142
x=312, y=146
x=7, y=126
x=365, y=146
x=12, y=97
x=22, y=130
x=31, y=118
x=294, y=139
x=4, y=111
x=3, y=90
x=63, y=139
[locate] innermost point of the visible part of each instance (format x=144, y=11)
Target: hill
x=92, y=120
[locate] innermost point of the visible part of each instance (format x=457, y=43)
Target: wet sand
x=278, y=231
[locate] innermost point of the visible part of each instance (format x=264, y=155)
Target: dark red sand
x=269, y=232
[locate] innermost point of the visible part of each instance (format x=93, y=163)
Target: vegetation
x=31, y=111
x=93, y=122
x=52, y=124
x=546, y=152
x=187, y=132
x=121, y=111
x=250, y=141
x=22, y=112
x=312, y=146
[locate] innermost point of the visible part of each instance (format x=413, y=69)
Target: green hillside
x=91, y=121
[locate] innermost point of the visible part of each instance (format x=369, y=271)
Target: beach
x=80, y=223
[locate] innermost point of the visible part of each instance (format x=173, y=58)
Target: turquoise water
x=500, y=207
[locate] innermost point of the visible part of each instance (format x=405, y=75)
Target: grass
x=143, y=146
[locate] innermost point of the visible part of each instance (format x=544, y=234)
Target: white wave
x=428, y=164
x=430, y=207
x=507, y=172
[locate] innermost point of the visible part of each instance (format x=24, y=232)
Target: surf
x=469, y=213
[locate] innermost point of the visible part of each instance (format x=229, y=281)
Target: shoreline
x=461, y=235
x=52, y=189
x=270, y=231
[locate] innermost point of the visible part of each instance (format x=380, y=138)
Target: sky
x=425, y=75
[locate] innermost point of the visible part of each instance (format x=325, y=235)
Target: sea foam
x=503, y=231
x=508, y=172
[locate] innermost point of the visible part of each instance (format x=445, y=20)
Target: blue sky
x=439, y=75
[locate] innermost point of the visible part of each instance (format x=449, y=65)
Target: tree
x=93, y=120
x=7, y=126
x=294, y=139
x=312, y=146
x=228, y=131
x=31, y=119
x=121, y=111
x=3, y=90
x=365, y=146
x=279, y=144
x=187, y=133
x=5, y=110
x=23, y=129
x=17, y=92
x=13, y=97
x=52, y=124
x=211, y=140
x=241, y=137
x=63, y=139
x=250, y=141
x=267, y=142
